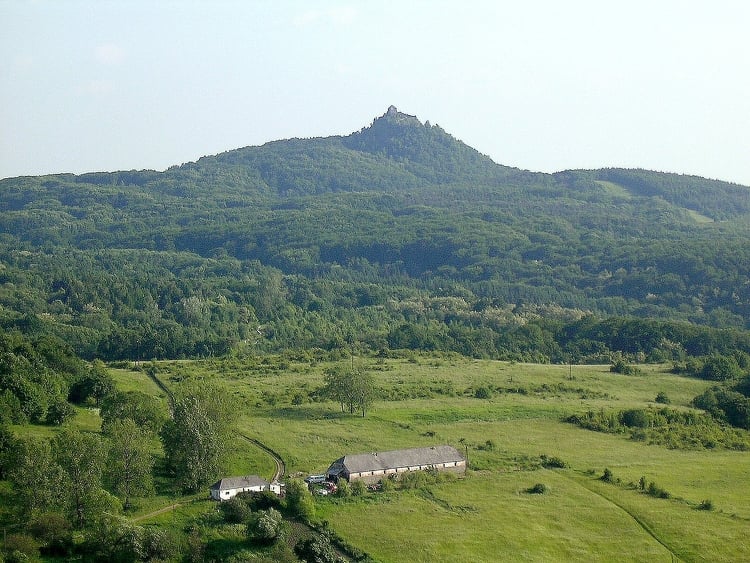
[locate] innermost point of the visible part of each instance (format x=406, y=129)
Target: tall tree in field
x=38, y=481
x=352, y=387
x=9, y=447
x=363, y=390
x=146, y=411
x=336, y=383
x=196, y=438
x=129, y=461
x=81, y=456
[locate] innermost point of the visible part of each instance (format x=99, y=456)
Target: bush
x=607, y=477
x=21, y=547
x=318, y=549
x=262, y=500
x=706, y=505
x=655, y=491
x=60, y=411
x=414, y=480
x=621, y=366
x=235, y=510
x=662, y=398
x=635, y=418
x=538, y=489
x=483, y=393
x=299, y=501
x=54, y=531
x=265, y=527
x=358, y=487
x=343, y=489
x=488, y=446
x=720, y=368
x=552, y=462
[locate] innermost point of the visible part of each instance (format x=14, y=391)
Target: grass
x=86, y=419
x=614, y=189
x=492, y=518
x=132, y=380
x=488, y=515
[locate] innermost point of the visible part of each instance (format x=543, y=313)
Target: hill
x=397, y=235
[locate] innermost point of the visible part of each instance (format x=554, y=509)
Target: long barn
x=372, y=467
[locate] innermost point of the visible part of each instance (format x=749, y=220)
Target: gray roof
x=239, y=483
x=379, y=461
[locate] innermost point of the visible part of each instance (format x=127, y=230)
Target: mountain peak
x=395, y=116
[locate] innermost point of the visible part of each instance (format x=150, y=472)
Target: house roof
x=379, y=461
x=239, y=483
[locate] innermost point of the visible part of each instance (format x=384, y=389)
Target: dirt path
x=160, y=384
x=645, y=527
x=278, y=473
x=280, y=465
x=160, y=511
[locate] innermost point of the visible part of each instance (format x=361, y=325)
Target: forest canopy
x=396, y=236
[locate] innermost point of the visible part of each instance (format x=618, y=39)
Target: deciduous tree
x=196, y=438
x=129, y=461
x=81, y=456
x=39, y=482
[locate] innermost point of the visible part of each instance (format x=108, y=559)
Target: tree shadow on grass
x=311, y=412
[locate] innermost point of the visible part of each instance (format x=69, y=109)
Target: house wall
x=226, y=494
x=370, y=477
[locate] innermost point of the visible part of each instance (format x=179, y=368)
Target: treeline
x=137, y=305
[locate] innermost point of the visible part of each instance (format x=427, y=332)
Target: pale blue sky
x=541, y=85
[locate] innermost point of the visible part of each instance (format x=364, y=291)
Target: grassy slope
x=488, y=515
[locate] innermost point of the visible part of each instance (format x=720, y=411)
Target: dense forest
x=395, y=236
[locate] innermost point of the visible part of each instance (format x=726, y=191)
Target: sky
x=103, y=85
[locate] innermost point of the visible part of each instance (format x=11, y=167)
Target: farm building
x=375, y=466
x=228, y=487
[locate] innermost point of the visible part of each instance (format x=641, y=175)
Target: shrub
x=386, y=485
x=318, y=549
x=706, y=505
x=265, y=527
x=552, y=462
x=483, y=393
x=607, y=477
x=655, y=491
x=60, y=411
x=54, y=531
x=262, y=500
x=299, y=501
x=21, y=547
x=488, y=446
x=635, y=418
x=621, y=366
x=343, y=489
x=358, y=487
x=235, y=510
x=538, y=489
x=662, y=398
x=720, y=368
x=411, y=480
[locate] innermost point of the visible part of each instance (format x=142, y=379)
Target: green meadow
x=489, y=514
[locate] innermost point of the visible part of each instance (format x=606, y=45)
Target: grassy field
x=488, y=516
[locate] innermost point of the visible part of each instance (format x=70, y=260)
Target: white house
x=228, y=487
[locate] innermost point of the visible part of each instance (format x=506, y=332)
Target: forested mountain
x=395, y=236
